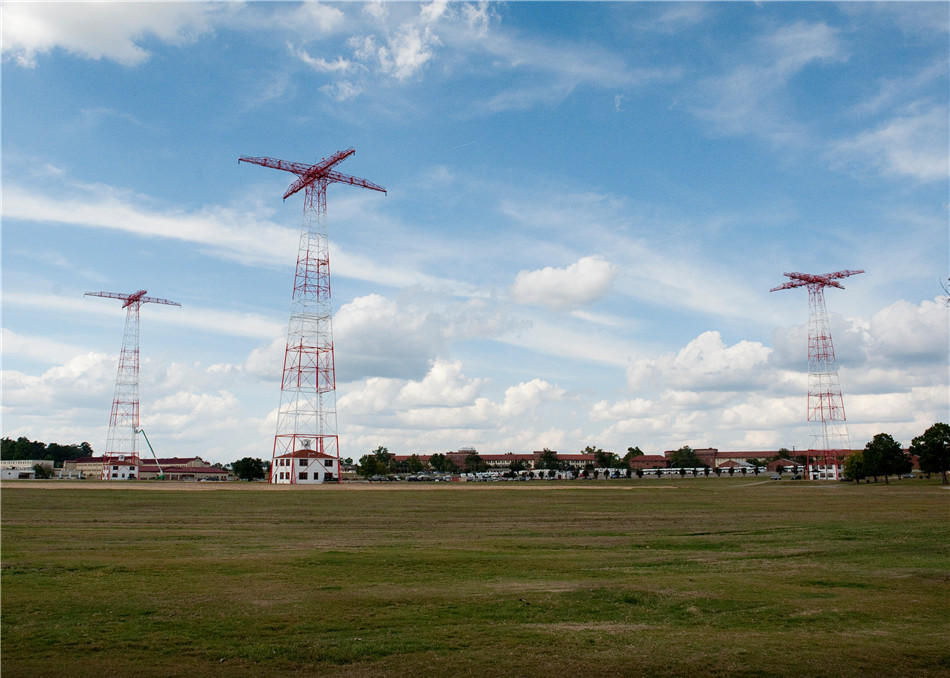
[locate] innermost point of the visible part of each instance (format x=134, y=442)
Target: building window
x=303, y=462
x=329, y=463
x=302, y=476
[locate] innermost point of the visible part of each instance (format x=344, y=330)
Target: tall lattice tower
x=825, y=403
x=306, y=418
x=124, y=420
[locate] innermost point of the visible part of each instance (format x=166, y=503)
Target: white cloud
x=403, y=52
x=321, y=65
x=582, y=283
x=914, y=144
x=378, y=336
x=704, y=364
x=342, y=91
x=375, y=336
x=750, y=98
x=35, y=347
x=92, y=30
x=81, y=381
x=233, y=234
x=203, y=319
x=443, y=385
x=902, y=332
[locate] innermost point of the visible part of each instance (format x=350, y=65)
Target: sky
x=587, y=205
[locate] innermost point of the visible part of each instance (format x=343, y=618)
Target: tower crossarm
x=132, y=298
x=297, y=168
x=817, y=280
x=339, y=178
x=310, y=174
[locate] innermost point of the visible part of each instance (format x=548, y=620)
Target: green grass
x=719, y=577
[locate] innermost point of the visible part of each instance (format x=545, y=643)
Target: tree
x=24, y=448
x=474, y=463
x=883, y=456
x=517, y=466
x=378, y=463
x=415, y=464
x=606, y=459
x=684, y=457
x=549, y=460
x=854, y=467
x=248, y=468
x=631, y=453
x=440, y=462
x=932, y=448
x=42, y=472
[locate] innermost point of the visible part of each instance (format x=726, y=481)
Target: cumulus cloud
x=444, y=408
x=112, y=30
x=382, y=337
x=704, y=364
x=375, y=336
x=583, y=282
x=80, y=380
x=903, y=333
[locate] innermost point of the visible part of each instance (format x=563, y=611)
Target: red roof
x=152, y=468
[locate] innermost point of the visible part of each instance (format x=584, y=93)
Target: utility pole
x=306, y=418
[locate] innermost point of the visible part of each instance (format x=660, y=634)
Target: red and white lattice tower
x=306, y=418
x=825, y=403
x=124, y=421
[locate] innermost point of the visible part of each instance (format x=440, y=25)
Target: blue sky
x=587, y=206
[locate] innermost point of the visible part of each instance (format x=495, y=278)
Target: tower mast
x=307, y=413
x=124, y=420
x=825, y=402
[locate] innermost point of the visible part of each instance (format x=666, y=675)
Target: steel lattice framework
x=307, y=413
x=124, y=420
x=825, y=402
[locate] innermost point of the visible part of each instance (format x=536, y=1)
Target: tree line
x=883, y=456
x=24, y=448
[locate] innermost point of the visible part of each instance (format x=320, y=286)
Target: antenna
x=825, y=402
x=124, y=420
x=307, y=412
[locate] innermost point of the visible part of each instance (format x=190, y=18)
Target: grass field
x=686, y=577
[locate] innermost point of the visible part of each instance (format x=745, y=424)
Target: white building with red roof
x=304, y=467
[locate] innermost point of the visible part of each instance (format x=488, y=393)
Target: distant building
x=119, y=467
x=304, y=467
x=21, y=469
x=129, y=468
x=649, y=461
